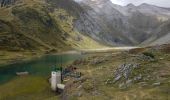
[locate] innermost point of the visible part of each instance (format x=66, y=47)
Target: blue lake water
x=39, y=66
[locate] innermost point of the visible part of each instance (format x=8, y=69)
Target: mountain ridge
x=72, y=22
x=151, y=17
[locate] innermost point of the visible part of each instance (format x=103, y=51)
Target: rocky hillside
x=129, y=25
x=7, y=2
x=105, y=22
x=137, y=74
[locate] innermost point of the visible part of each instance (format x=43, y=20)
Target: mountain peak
x=130, y=5
x=145, y=5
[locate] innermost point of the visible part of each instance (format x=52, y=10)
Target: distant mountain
x=128, y=25
x=102, y=22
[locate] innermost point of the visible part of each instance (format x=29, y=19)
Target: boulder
x=156, y=84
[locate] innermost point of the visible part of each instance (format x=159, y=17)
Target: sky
x=161, y=3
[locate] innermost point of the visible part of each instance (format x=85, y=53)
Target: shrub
x=88, y=85
x=149, y=54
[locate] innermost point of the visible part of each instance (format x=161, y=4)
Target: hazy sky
x=162, y=3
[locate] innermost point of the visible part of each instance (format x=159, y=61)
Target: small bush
x=88, y=85
x=136, y=51
x=149, y=54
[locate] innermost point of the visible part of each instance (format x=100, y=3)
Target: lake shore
x=7, y=57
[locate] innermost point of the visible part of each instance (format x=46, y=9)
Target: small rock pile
x=143, y=57
x=128, y=74
x=122, y=75
x=124, y=71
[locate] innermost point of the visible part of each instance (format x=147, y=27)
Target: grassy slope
x=93, y=85
x=75, y=39
x=30, y=26
x=33, y=26
x=26, y=88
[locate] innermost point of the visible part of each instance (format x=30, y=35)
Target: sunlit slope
x=35, y=25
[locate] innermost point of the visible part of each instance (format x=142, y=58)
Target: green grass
x=94, y=87
x=31, y=26
x=8, y=57
x=26, y=88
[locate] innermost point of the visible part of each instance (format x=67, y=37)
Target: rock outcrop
x=7, y=2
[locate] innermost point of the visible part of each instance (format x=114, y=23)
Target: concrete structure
x=61, y=86
x=22, y=73
x=55, y=79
